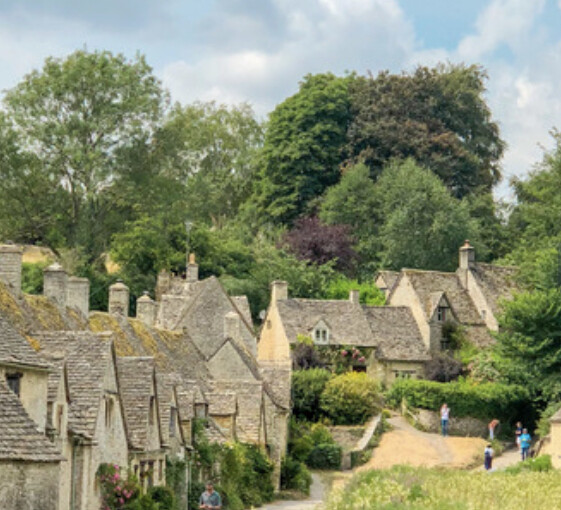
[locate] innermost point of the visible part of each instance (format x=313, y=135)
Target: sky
x=257, y=51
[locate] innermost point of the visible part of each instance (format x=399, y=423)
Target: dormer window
x=442, y=313
x=320, y=333
x=108, y=411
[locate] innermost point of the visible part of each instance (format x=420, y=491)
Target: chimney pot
x=10, y=266
x=279, y=291
x=354, y=296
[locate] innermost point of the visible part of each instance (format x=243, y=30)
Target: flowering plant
x=116, y=490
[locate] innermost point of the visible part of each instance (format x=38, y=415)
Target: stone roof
x=222, y=403
x=213, y=433
x=136, y=380
x=428, y=284
x=186, y=403
x=249, y=396
x=345, y=320
x=389, y=277
x=167, y=397
x=88, y=357
x=396, y=333
x=19, y=438
x=496, y=282
x=242, y=304
x=14, y=349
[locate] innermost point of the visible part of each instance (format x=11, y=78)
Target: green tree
x=73, y=121
x=210, y=151
x=353, y=201
x=529, y=342
x=438, y=116
x=423, y=225
x=369, y=294
x=302, y=148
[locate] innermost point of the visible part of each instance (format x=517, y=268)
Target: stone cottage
x=96, y=425
x=469, y=297
x=387, y=336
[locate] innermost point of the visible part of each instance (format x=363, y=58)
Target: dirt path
x=407, y=445
x=317, y=493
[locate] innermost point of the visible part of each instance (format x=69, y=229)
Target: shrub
x=443, y=368
x=325, y=456
x=483, y=401
x=543, y=425
x=350, y=399
x=295, y=475
x=539, y=464
x=116, y=489
x=163, y=496
x=307, y=387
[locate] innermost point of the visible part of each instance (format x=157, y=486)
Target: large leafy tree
x=302, y=149
x=422, y=223
x=74, y=121
x=437, y=116
x=530, y=342
x=209, y=150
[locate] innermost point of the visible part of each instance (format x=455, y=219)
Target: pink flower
x=122, y=501
x=362, y=359
x=118, y=488
x=355, y=354
x=344, y=353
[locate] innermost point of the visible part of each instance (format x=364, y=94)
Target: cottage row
x=79, y=389
x=395, y=340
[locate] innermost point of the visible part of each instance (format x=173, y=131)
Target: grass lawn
x=406, y=488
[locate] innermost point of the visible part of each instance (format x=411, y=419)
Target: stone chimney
x=354, y=296
x=10, y=266
x=163, y=284
x=192, y=269
x=146, y=309
x=232, y=326
x=279, y=290
x=78, y=294
x=467, y=256
x=55, y=281
x=119, y=299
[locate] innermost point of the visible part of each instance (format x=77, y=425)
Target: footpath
x=404, y=444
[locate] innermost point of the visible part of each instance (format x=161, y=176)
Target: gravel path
x=317, y=493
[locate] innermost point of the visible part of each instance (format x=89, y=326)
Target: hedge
x=325, y=456
x=350, y=399
x=307, y=387
x=484, y=401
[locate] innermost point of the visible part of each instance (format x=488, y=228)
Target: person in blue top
x=525, y=442
x=210, y=499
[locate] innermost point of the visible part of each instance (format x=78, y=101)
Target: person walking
x=493, y=424
x=525, y=442
x=210, y=499
x=444, y=418
x=488, y=456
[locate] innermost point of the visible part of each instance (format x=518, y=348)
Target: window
x=13, y=381
x=172, y=420
x=108, y=411
x=404, y=374
x=152, y=409
x=444, y=344
x=321, y=334
x=442, y=313
x=161, y=469
x=59, y=416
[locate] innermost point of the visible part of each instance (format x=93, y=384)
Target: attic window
x=13, y=381
x=442, y=313
x=321, y=335
x=108, y=412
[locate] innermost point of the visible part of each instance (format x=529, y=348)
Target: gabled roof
x=428, y=283
x=19, y=438
x=88, y=358
x=347, y=324
x=138, y=388
x=242, y=304
x=166, y=387
x=14, y=349
x=496, y=282
x=396, y=333
x=389, y=278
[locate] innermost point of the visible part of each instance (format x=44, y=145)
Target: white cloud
x=502, y=22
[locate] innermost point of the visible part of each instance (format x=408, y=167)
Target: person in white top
x=444, y=417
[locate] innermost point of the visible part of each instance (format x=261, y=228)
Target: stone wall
x=430, y=422
x=29, y=485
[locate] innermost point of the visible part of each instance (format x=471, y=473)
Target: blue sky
x=257, y=50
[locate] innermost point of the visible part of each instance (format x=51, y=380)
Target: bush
x=295, y=475
x=307, y=387
x=325, y=456
x=543, y=425
x=540, y=464
x=163, y=496
x=443, y=368
x=350, y=399
x=484, y=401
